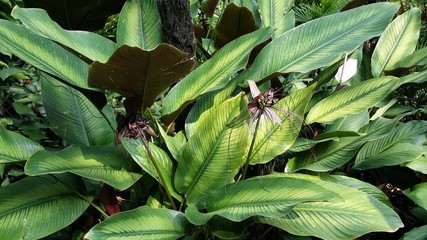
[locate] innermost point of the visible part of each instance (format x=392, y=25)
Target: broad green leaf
x=139, y=25
x=399, y=146
x=90, y=45
x=100, y=163
x=252, y=5
x=137, y=150
x=351, y=100
x=418, y=194
x=268, y=196
x=316, y=44
x=419, y=164
x=174, y=143
x=42, y=53
x=398, y=41
x=235, y=22
x=419, y=233
x=73, y=117
x=15, y=147
x=35, y=207
x=272, y=139
x=415, y=77
x=417, y=58
x=333, y=154
x=273, y=14
x=134, y=72
x=212, y=156
x=214, y=73
x=356, y=214
x=142, y=223
x=227, y=229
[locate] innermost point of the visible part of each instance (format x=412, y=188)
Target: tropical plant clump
x=292, y=128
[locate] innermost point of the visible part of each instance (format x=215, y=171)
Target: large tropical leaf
x=15, y=147
x=235, y=22
x=139, y=153
x=418, y=194
x=73, y=117
x=268, y=196
x=273, y=14
x=213, y=155
x=214, y=73
x=252, y=5
x=100, y=163
x=416, y=58
x=333, y=154
x=142, y=223
x=356, y=214
x=134, y=72
x=398, y=41
x=419, y=164
x=35, y=207
x=351, y=100
x=42, y=53
x=139, y=25
x=399, y=146
x=416, y=234
x=88, y=44
x=315, y=44
x=271, y=139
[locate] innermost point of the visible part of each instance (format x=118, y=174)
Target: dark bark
x=177, y=26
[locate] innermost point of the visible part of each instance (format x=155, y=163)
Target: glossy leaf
x=139, y=25
x=214, y=73
x=15, y=147
x=273, y=14
x=234, y=22
x=316, y=44
x=76, y=119
x=88, y=44
x=42, y=53
x=356, y=214
x=212, y=156
x=351, y=100
x=141, y=223
x=416, y=233
x=174, y=143
x=272, y=139
x=418, y=194
x=35, y=207
x=417, y=58
x=134, y=72
x=419, y=164
x=137, y=150
x=100, y=163
x=268, y=196
x=398, y=41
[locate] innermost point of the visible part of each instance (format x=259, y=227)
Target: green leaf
x=136, y=149
x=398, y=41
x=419, y=164
x=418, y=194
x=315, y=44
x=139, y=25
x=351, y=100
x=100, y=163
x=399, y=146
x=235, y=22
x=272, y=139
x=417, y=58
x=212, y=156
x=350, y=123
x=273, y=14
x=132, y=71
x=142, y=223
x=42, y=53
x=174, y=143
x=268, y=196
x=419, y=233
x=356, y=214
x=252, y=5
x=88, y=44
x=15, y=147
x=214, y=73
x=73, y=117
x=35, y=207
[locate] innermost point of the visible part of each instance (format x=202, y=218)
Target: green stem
x=162, y=179
x=248, y=158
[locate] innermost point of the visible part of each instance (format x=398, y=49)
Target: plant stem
x=248, y=158
x=162, y=180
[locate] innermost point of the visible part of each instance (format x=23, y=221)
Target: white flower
x=347, y=70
